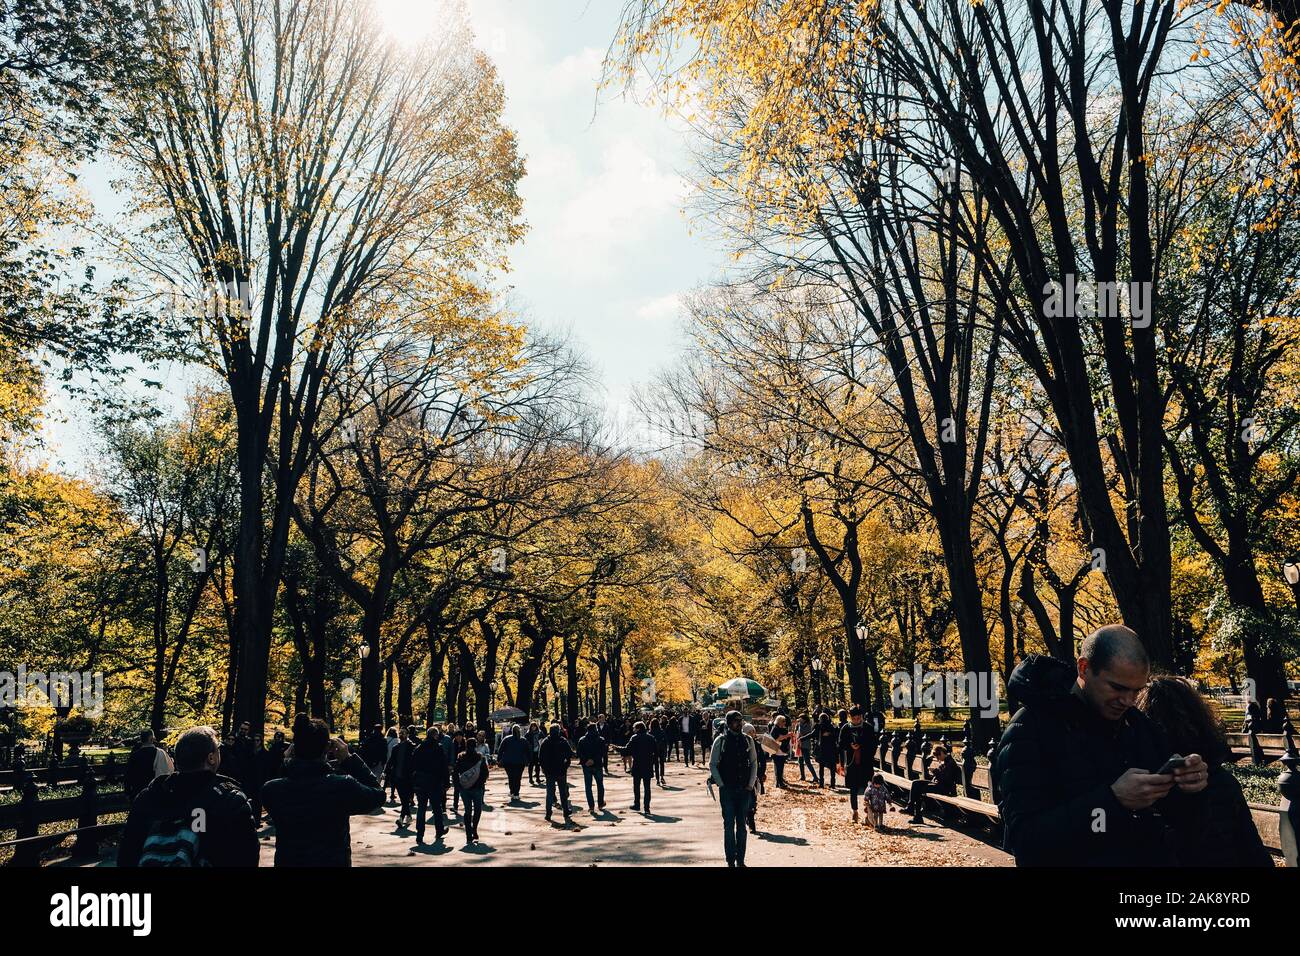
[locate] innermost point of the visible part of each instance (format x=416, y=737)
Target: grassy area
x=60, y=826
x=1258, y=783
x=54, y=793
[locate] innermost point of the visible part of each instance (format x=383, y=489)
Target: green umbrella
x=743, y=687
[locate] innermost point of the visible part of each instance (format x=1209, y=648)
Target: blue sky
x=609, y=251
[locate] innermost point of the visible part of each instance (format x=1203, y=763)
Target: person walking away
x=146, y=763
x=660, y=736
x=802, y=736
x=706, y=737
x=323, y=785
x=592, y=754
x=513, y=756
x=458, y=747
x=471, y=776
x=1078, y=754
x=448, y=744
x=534, y=762
x=555, y=754
x=400, y=774
x=688, y=738
x=1222, y=832
x=733, y=765
x=857, y=745
x=781, y=734
x=429, y=769
x=642, y=751
x=160, y=828
x=391, y=744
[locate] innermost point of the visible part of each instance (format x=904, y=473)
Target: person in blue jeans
x=592, y=752
x=733, y=766
x=471, y=774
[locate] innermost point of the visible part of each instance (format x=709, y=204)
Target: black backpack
x=734, y=765
x=171, y=842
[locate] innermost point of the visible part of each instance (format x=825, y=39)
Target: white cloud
x=662, y=309
x=625, y=201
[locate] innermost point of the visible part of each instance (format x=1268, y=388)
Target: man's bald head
x=1113, y=667
x=1113, y=644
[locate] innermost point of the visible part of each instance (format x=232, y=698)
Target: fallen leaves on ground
x=803, y=808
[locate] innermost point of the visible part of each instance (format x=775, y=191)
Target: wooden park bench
x=903, y=758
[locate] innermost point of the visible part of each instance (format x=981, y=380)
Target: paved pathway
x=685, y=829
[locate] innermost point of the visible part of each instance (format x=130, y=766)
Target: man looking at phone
x=1076, y=766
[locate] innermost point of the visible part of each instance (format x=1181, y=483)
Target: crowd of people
x=311, y=787
x=1101, y=765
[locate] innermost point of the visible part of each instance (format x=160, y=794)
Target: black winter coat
x=1221, y=832
x=429, y=766
x=592, y=747
x=554, y=755
x=229, y=837
x=1054, y=768
x=643, y=749
x=311, y=804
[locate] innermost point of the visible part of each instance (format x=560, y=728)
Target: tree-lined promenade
x=1008, y=350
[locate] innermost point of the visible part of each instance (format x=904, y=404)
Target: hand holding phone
x=1175, y=762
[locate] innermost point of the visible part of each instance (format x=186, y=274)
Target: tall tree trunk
x=530, y=666
x=616, y=680
x=437, y=657
x=405, y=680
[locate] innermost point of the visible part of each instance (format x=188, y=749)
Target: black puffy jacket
x=228, y=837
x=554, y=754
x=1222, y=832
x=1054, y=768
x=311, y=805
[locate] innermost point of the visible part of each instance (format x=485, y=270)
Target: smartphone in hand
x=1176, y=762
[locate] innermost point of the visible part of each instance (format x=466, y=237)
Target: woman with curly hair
x=1221, y=832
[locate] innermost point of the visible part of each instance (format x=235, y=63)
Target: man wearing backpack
x=733, y=763
x=323, y=785
x=145, y=763
x=193, y=817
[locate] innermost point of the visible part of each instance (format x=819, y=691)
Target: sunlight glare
x=407, y=21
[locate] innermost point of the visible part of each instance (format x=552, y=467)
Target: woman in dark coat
x=1221, y=832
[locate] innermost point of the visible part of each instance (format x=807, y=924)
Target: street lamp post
x=862, y=633
x=1291, y=571
x=817, y=680
x=365, y=653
